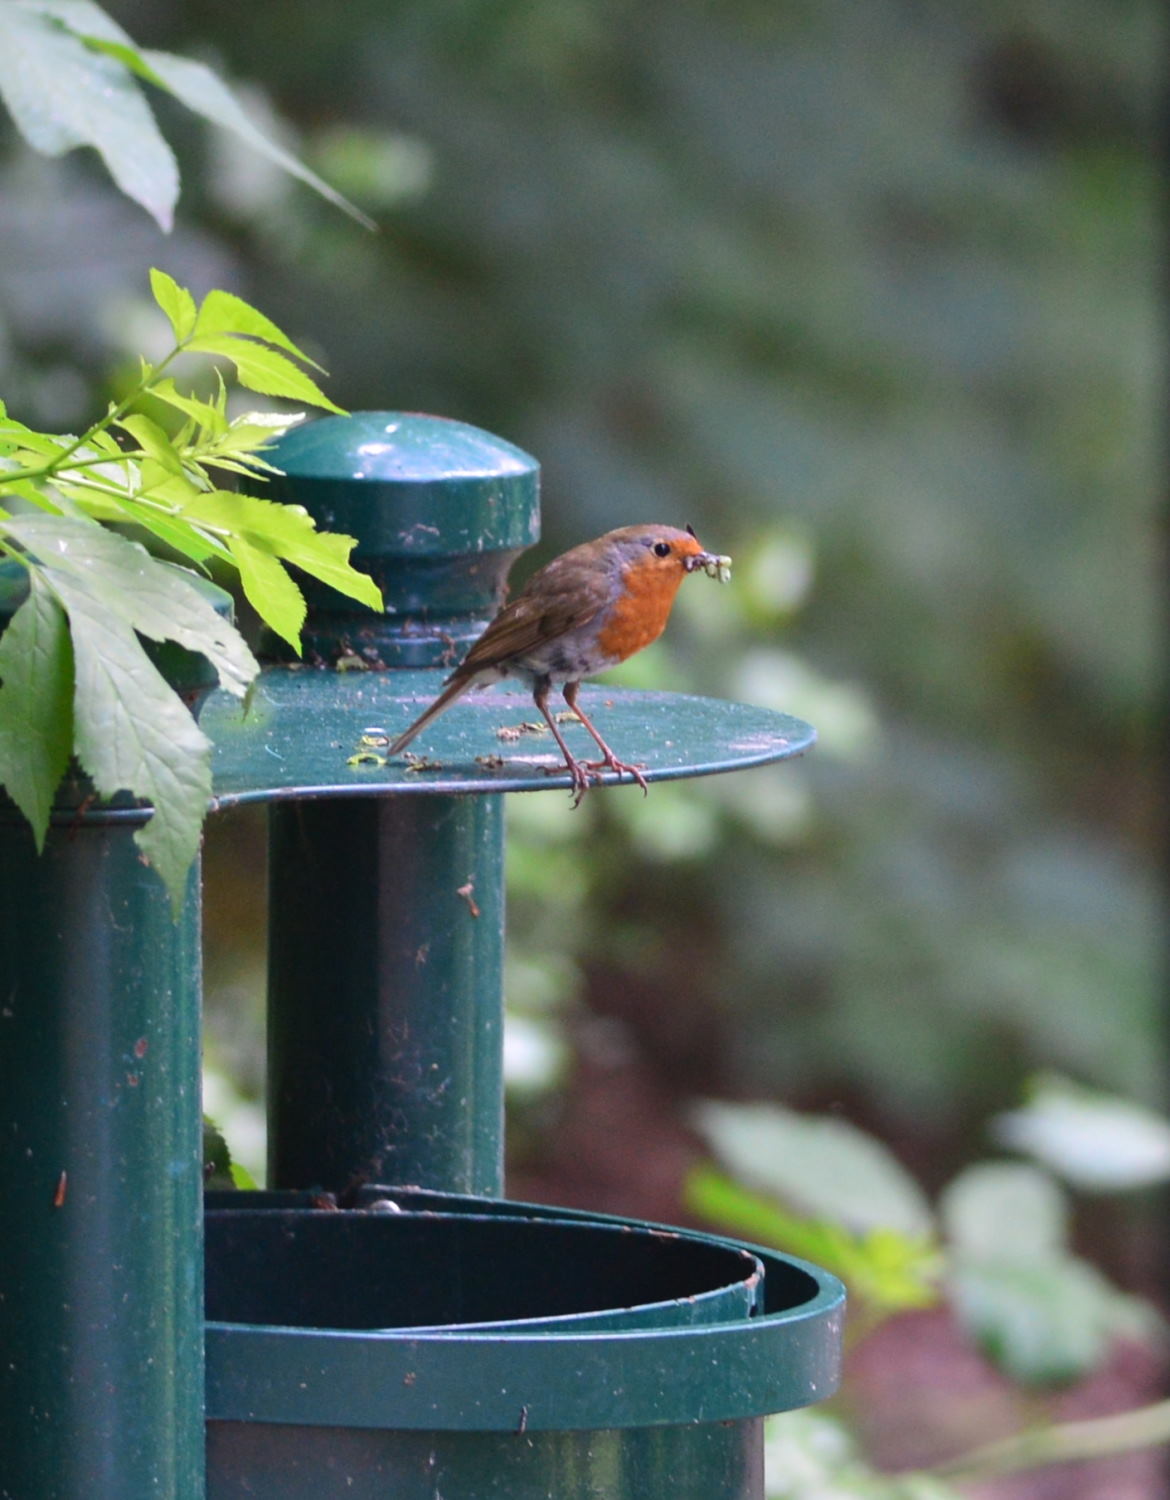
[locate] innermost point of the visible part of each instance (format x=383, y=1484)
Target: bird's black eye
x=661, y=549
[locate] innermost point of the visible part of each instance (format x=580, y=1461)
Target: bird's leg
x=581, y=771
x=610, y=760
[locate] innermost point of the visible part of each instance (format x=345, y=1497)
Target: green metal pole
x=386, y=935
x=386, y=920
x=101, y=1259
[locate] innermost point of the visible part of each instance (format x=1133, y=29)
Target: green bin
x=426, y=1344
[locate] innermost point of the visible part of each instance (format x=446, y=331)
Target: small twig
x=1064, y=1442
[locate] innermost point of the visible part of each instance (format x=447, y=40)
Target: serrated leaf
x=155, y=598
x=112, y=467
x=34, y=491
x=133, y=733
x=289, y=532
x=185, y=539
x=153, y=441
x=16, y=435
x=61, y=94
x=176, y=301
x=244, y=436
x=271, y=592
x=36, y=697
x=165, y=486
x=202, y=91
x=249, y=465
x=224, y=312
x=262, y=369
x=205, y=413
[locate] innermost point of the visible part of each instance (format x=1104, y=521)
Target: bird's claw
x=583, y=775
x=618, y=767
x=621, y=767
x=586, y=773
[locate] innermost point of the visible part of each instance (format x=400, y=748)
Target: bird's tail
x=453, y=691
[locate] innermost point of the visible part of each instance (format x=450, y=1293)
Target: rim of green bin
x=459, y=1378
x=434, y=1271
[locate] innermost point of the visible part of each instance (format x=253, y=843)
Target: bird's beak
x=714, y=565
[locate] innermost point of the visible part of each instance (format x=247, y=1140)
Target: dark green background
x=868, y=293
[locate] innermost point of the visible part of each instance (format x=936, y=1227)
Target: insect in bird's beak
x=715, y=566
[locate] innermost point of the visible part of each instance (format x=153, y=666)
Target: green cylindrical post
x=385, y=1035
x=101, y=1347
x=101, y=1163
x=386, y=915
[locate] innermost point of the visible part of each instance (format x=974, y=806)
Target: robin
x=583, y=612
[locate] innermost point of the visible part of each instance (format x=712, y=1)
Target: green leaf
x=202, y=91
x=272, y=593
x=224, y=312
x=822, y=1166
x=132, y=732
x=243, y=1179
x=36, y=492
x=36, y=692
x=1047, y=1321
x=289, y=532
x=62, y=95
x=129, y=56
x=889, y=1271
x=174, y=532
x=1094, y=1140
x=985, y=1200
x=178, y=304
x=205, y=413
x=16, y=435
x=217, y=1159
x=153, y=441
x=81, y=16
x=157, y=599
x=263, y=370
x=813, y=1455
x=1039, y=1313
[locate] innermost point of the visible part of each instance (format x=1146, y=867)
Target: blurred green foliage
x=869, y=295
x=998, y=1247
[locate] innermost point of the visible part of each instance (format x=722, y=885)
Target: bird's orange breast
x=642, y=609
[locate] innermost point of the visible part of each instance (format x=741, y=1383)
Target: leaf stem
x=118, y=409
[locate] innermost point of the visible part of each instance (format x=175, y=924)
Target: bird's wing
x=564, y=601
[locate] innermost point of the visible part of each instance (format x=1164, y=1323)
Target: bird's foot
x=623, y=768
x=586, y=773
x=583, y=774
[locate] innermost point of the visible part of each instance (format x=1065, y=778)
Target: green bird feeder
x=381, y=1322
